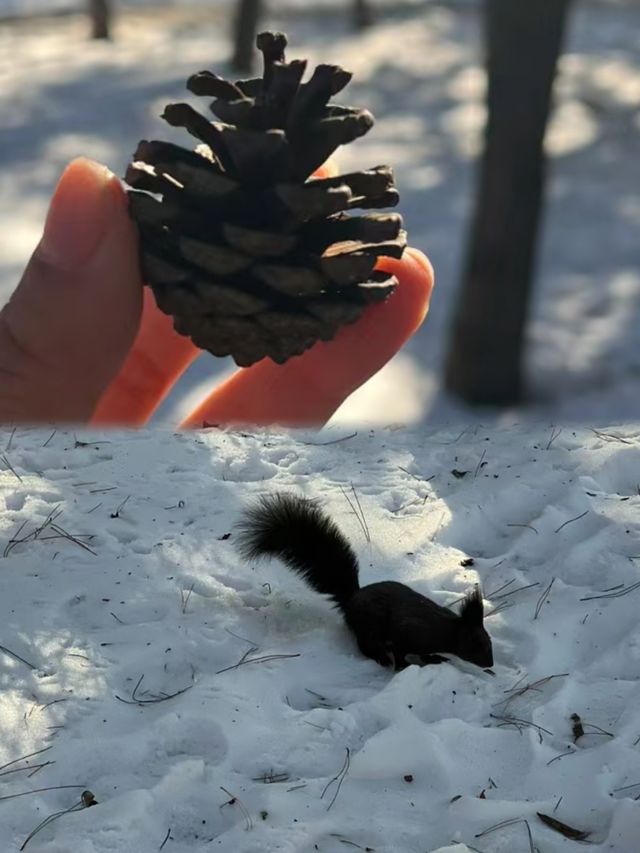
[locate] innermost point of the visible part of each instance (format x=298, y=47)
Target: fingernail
x=80, y=213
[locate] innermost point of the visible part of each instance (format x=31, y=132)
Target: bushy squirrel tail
x=298, y=532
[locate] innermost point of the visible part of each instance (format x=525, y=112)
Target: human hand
x=82, y=342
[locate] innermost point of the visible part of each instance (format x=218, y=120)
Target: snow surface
x=421, y=74
x=25, y=8
x=151, y=588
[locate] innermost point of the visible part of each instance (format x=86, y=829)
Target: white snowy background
x=420, y=71
x=151, y=587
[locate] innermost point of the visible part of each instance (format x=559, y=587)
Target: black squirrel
x=392, y=623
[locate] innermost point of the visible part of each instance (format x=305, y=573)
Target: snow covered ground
x=149, y=599
x=26, y=8
x=420, y=72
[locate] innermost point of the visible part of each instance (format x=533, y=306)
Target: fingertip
x=329, y=169
x=81, y=211
x=88, y=178
x=409, y=303
x=425, y=263
x=88, y=168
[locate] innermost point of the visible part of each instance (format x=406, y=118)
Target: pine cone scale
x=291, y=281
x=229, y=300
x=183, y=115
x=209, y=84
x=370, y=228
x=258, y=243
x=218, y=260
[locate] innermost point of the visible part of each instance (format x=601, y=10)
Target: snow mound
x=209, y=704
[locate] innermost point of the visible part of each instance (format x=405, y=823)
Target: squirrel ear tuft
x=472, y=609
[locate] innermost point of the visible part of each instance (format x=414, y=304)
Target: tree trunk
x=484, y=362
x=100, y=13
x=362, y=14
x=245, y=28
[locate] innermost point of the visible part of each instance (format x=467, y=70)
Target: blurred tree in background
x=100, y=15
x=484, y=362
x=362, y=14
x=245, y=26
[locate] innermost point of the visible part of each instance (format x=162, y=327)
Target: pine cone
x=250, y=255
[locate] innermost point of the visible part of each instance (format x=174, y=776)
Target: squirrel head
x=474, y=643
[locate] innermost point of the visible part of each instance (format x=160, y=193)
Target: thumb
x=72, y=319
